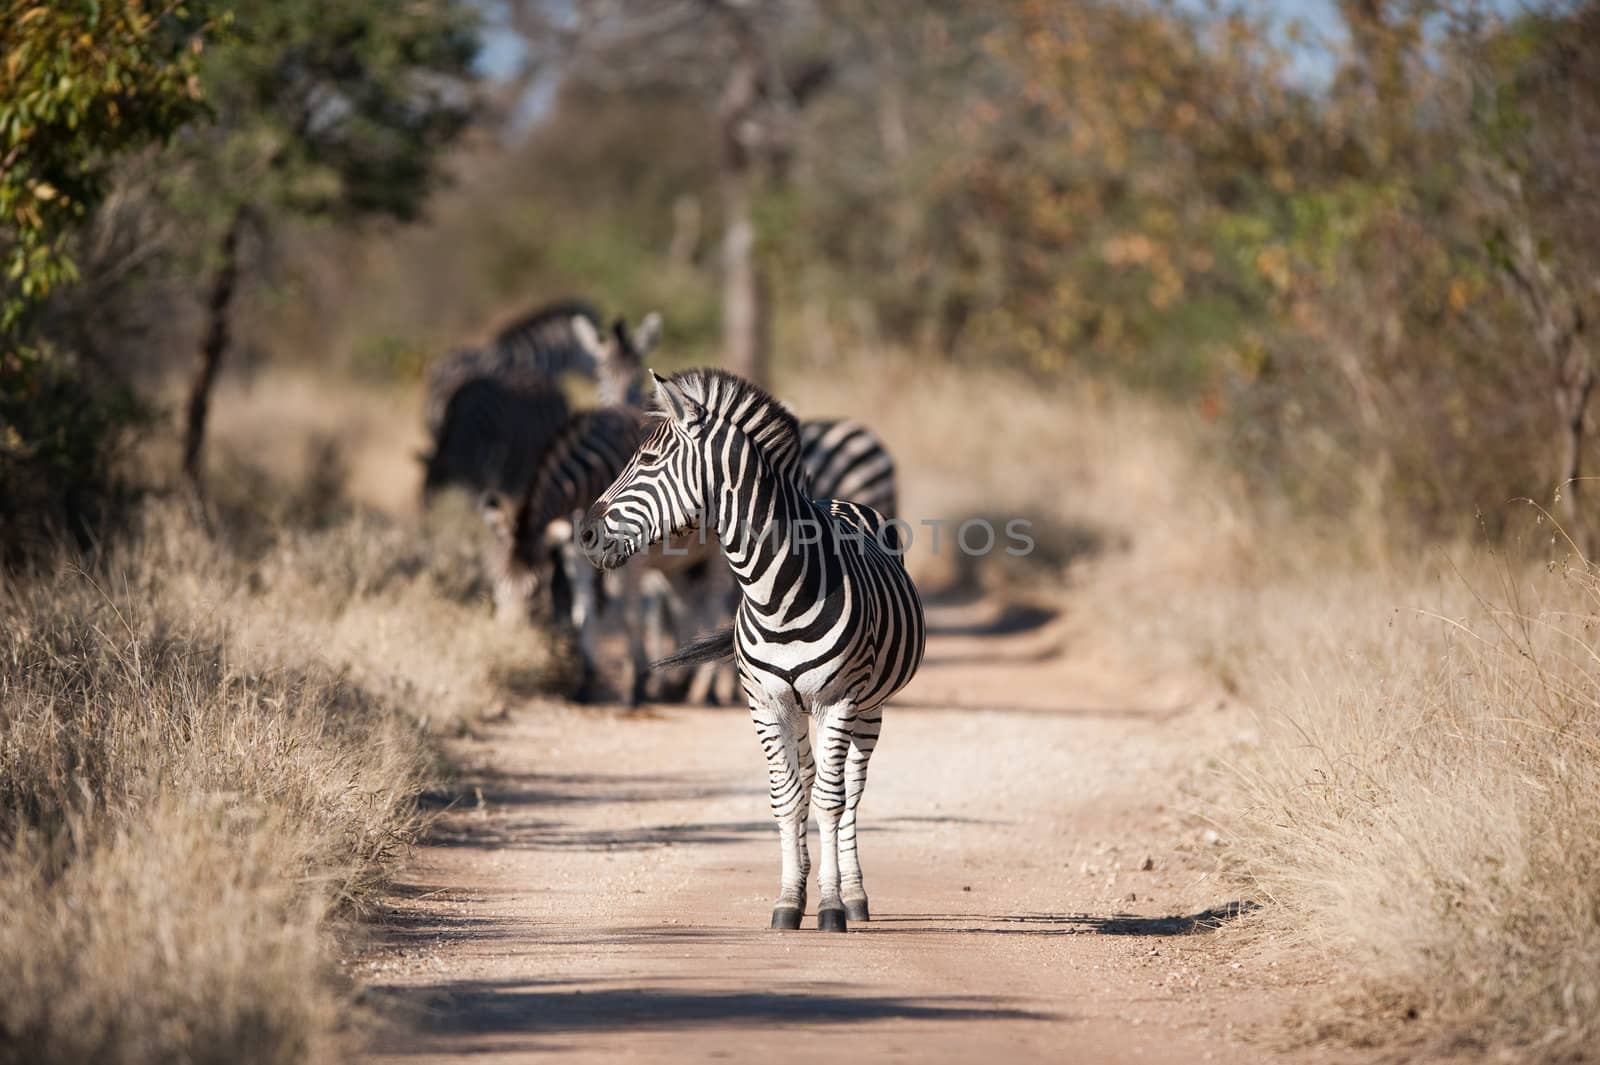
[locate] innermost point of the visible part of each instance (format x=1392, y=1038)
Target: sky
x=1322, y=31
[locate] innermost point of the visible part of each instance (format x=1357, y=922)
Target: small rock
x=966, y=887
x=1148, y=864
x=1131, y=897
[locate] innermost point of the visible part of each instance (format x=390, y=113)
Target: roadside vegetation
x=1296, y=333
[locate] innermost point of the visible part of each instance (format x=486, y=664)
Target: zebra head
x=660, y=492
x=619, y=359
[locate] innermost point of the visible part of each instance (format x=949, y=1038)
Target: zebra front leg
x=834, y=728
x=637, y=602
x=781, y=730
x=583, y=582
x=863, y=739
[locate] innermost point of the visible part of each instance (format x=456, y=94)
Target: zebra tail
x=712, y=647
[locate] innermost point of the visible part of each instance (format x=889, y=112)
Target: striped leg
x=782, y=732
x=863, y=738
x=834, y=727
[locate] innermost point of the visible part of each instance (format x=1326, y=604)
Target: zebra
x=829, y=623
x=491, y=411
x=539, y=346
x=686, y=587
x=491, y=433
x=843, y=459
x=535, y=549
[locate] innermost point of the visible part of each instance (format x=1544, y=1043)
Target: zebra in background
x=685, y=589
x=828, y=626
x=846, y=460
x=491, y=432
x=491, y=411
x=539, y=576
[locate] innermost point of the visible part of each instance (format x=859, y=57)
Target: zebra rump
x=490, y=411
x=492, y=432
x=846, y=460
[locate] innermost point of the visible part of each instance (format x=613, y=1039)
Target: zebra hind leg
x=781, y=730
x=863, y=739
x=834, y=729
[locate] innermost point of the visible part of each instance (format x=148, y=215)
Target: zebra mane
x=558, y=314
x=769, y=423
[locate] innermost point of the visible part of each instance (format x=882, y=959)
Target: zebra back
x=446, y=374
x=845, y=460
x=543, y=342
x=492, y=432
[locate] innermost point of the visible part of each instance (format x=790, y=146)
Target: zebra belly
x=781, y=673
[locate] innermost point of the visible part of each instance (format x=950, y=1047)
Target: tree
x=335, y=109
x=1538, y=125
x=731, y=54
x=82, y=85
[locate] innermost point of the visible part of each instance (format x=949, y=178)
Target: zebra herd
x=502, y=428
x=825, y=624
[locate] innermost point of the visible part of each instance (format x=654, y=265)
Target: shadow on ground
x=538, y=1009
x=1057, y=924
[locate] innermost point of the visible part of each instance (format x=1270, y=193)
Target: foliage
x=59, y=443
x=80, y=84
x=337, y=108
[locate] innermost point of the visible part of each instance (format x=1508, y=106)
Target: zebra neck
x=777, y=541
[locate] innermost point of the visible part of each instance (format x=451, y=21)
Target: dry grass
x=1422, y=798
x=210, y=751
x=1097, y=469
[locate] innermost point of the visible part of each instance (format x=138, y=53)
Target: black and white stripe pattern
x=829, y=624
x=546, y=342
x=492, y=432
x=846, y=460
x=536, y=349
x=490, y=411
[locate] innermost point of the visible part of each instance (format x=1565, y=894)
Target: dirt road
x=1041, y=890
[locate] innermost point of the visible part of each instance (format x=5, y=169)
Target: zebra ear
x=583, y=330
x=648, y=334
x=679, y=407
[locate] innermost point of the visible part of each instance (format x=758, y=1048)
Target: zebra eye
x=649, y=456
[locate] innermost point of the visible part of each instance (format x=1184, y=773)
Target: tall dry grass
x=210, y=754
x=1422, y=799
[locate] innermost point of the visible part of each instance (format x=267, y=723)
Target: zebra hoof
x=831, y=920
x=787, y=918
x=856, y=910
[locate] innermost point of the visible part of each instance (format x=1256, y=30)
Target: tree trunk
x=1560, y=326
x=744, y=296
x=1575, y=386
x=212, y=347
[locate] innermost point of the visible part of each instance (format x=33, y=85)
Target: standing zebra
x=490, y=411
x=537, y=574
x=828, y=625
